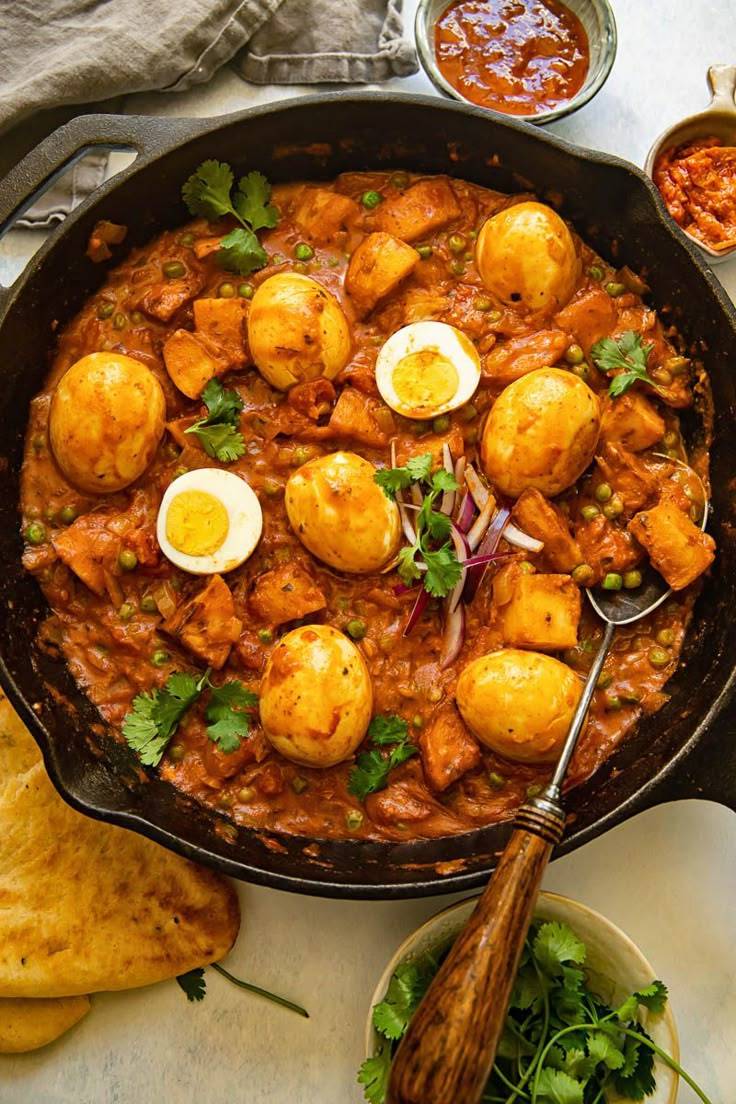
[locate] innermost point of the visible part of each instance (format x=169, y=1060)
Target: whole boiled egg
x=426, y=369
x=209, y=521
x=526, y=256
x=542, y=432
x=316, y=696
x=297, y=331
x=106, y=421
x=519, y=703
x=341, y=515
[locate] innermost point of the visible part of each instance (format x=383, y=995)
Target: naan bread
x=30, y=1024
x=85, y=906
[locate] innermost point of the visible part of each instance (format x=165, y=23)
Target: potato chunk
x=377, y=266
x=632, y=421
x=425, y=207
x=519, y=355
x=223, y=321
x=353, y=417
x=536, y=611
x=321, y=214
x=191, y=361
x=163, y=300
x=628, y=476
x=447, y=749
x=677, y=548
x=285, y=594
x=207, y=624
x=538, y=517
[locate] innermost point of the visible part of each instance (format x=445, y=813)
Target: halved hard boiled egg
x=426, y=369
x=209, y=522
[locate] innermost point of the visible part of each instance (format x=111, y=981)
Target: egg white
x=245, y=521
x=423, y=339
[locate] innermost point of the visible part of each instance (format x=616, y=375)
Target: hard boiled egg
x=316, y=696
x=519, y=703
x=209, y=521
x=526, y=256
x=426, y=369
x=341, y=515
x=106, y=421
x=542, y=432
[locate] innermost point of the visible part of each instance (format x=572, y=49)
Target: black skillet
x=688, y=749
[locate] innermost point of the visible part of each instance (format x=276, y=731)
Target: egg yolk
x=424, y=380
x=196, y=523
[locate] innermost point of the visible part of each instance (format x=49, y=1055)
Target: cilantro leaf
x=223, y=403
x=444, y=481
x=240, y=251
x=372, y=768
x=221, y=442
x=251, y=202
x=628, y=353
x=602, y=1048
x=653, y=997
x=384, y=729
x=207, y=191
x=141, y=731
x=419, y=467
x=373, y=1076
x=407, y=564
x=369, y=774
x=227, y=724
x=392, y=480
x=148, y=728
x=193, y=984
x=635, y=1078
x=557, y=1087
x=443, y=571
x=554, y=945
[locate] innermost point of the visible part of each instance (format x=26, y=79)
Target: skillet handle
x=149, y=136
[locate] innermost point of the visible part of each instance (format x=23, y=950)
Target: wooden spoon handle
x=448, y=1051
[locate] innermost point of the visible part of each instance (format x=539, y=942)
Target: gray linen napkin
x=55, y=52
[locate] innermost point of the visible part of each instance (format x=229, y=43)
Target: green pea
x=177, y=752
x=303, y=252
x=595, y=272
x=420, y=428
x=583, y=574
x=265, y=636
x=185, y=239
x=612, y=581
x=604, y=680
x=148, y=604
x=136, y=318
x=371, y=199
x=574, y=355
x=172, y=270
x=441, y=424
x=494, y=316
x=342, y=604
x=676, y=365
x=105, y=310
x=614, y=289
x=630, y=697
x=582, y=371
x=334, y=262
x=39, y=443
x=613, y=703
x=126, y=611
x=467, y=413
x=482, y=304
x=472, y=234
x=67, y=514
x=399, y=180
x=658, y=657
x=299, y=456
x=425, y=251
x=245, y=291
x=666, y=637
x=417, y=721
x=534, y=790
x=457, y=268
x=301, y=268
x=299, y=783
x=127, y=560
x=457, y=243
x=632, y=580
x=604, y=492
x=120, y=322
x=496, y=780
x=272, y=488
x=160, y=658
x=356, y=629
x=526, y=568
x=470, y=435
x=661, y=375
x=246, y=794
x=670, y=439
x=436, y=694
x=353, y=819
x=589, y=512
x=35, y=533
x=226, y=290
x=614, y=508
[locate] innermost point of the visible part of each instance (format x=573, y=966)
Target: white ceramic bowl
x=615, y=966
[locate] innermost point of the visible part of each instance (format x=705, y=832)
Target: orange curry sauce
x=134, y=312
x=521, y=57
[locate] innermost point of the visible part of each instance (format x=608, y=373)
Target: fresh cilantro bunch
x=155, y=717
x=432, y=546
x=209, y=193
x=373, y=767
x=218, y=433
x=560, y=1044
x=627, y=352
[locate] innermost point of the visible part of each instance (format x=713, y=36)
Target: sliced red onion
x=487, y=547
x=454, y=635
x=462, y=551
x=448, y=498
x=482, y=522
x=477, y=488
x=417, y=610
x=466, y=512
x=481, y=561
x=459, y=472
x=406, y=524
x=522, y=540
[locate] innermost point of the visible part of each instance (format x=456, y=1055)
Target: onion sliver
x=406, y=524
x=417, y=611
x=454, y=635
x=462, y=550
x=477, y=488
x=482, y=522
x=466, y=512
x=522, y=540
x=488, y=545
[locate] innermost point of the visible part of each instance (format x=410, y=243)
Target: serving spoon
x=450, y=1045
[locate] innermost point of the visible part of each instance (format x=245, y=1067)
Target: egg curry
x=315, y=538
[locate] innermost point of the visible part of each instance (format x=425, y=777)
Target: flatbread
x=85, y=906
x=30, y=1024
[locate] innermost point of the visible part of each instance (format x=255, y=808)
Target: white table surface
x=667, y=876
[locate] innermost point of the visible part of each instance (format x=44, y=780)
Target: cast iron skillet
x=688, y=749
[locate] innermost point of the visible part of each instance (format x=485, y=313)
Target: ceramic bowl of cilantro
x=588, y=1021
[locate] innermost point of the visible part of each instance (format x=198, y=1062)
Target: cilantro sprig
x=155, y=716
x=209, y=193
x=629, y=353
x=438, y=566
x=373, y=767
x=218, y=433
x=195, y=986
x=561, y=1044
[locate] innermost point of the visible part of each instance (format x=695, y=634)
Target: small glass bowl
x=600, y=27
x=717, y=121
x=615, y=965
